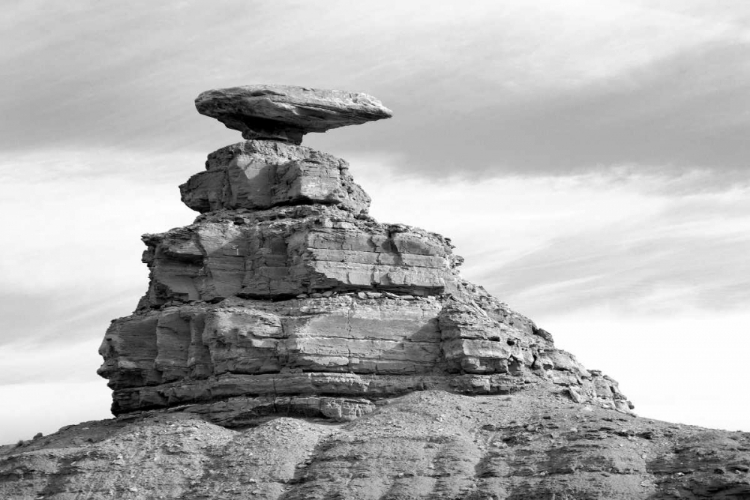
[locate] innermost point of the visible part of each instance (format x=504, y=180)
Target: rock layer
x=258, y=175
x=300, y=353
x=280, y=253
x=286, y=113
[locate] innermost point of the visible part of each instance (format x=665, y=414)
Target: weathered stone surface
x=531, y=445
x=359, y=309
x=339, y=345
x=286, y=299
x=287, y=251
x=258, y=175
x=285, y=292
x=286, y=113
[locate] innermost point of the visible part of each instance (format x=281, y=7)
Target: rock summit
x=286, y=113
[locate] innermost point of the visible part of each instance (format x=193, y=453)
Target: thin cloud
x=643, y=243
x=75, y=259
x=505, y=87
x=38, y=323
x=75, y=361
x=658, y=275
x=689, y=254
x=683, y=112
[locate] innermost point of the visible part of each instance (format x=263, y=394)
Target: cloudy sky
x=588, y=159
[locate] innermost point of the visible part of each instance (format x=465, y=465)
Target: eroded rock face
x=285, y=296
x=259, y=175
x=361, y=345
x=285, y=299
x=285, y=113
x=283, y=252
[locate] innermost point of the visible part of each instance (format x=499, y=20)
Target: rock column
x=285, y=296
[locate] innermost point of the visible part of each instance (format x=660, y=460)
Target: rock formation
x=286, y=113
x=286, y=296
x=286, y=299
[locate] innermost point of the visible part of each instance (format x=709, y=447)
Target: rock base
x=534, y=444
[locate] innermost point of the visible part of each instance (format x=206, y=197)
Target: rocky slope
x=290, y=346
x=535, y=444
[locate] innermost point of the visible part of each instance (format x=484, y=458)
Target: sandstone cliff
x=286, y=299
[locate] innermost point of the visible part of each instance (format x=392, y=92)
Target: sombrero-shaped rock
x=285, y=112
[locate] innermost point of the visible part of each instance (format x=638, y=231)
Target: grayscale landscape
x=522, y=274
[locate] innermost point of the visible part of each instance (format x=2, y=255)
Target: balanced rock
x=285, y=296
x=285, y=299
x=286, y=113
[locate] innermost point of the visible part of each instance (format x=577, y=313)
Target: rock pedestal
x=259, y=175
x=284, y=296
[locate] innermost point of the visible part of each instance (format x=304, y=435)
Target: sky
x=588, y=159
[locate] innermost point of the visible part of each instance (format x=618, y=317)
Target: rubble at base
x=431, y=444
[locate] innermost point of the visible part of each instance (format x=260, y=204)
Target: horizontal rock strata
x=259, y=175
x=287, y=251
x=285, y=296
x=348, y=345
x=286, y=113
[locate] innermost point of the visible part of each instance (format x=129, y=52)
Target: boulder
x=286, y=113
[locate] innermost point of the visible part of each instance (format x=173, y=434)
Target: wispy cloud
x=532, y=87
x=638, y=242
x=580, y=154
x=74, y=262
x=73, y=361
x=690, y=253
